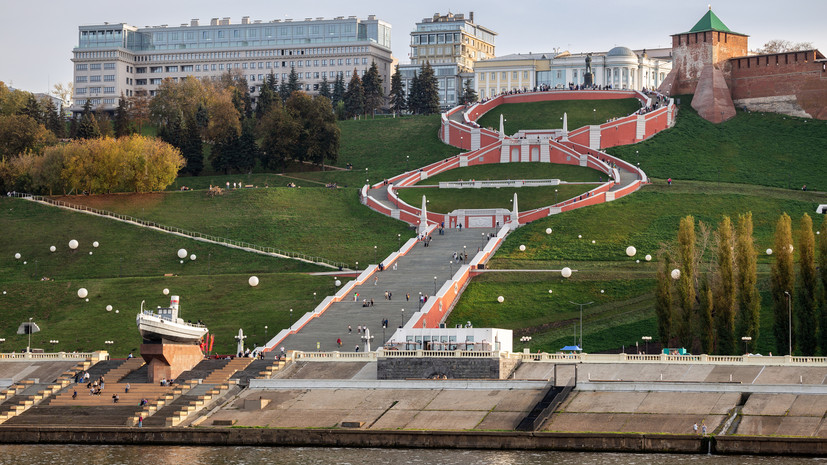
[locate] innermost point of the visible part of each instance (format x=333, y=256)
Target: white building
x=117, y=59
x=460, y=338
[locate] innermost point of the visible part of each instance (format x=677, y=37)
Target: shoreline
x=484, y=440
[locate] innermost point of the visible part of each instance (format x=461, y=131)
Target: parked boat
x=165, y=326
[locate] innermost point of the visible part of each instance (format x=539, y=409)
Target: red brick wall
x=691, y=52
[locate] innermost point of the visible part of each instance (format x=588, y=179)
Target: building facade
x=619, y=68
x=111, y=60
x=451, y=44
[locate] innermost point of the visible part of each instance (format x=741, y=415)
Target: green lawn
x=329, y=223
x=549, y=115
x=503, y=171
x=448, y=200
x=752, y=148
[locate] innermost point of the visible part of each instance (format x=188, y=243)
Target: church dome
x=621, y=51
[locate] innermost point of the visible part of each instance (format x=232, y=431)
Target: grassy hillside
x=498, y=171
x=549, y=115
x=752, y=148
x=448, y=200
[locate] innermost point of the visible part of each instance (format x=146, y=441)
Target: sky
x=38, y=35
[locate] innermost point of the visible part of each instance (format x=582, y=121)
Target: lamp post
x=594, y=120
x=407, y=159
x=451, y=264
x=420, y=300
x=29, y=347
x=403, y=318
x=581, y=320
x=54, y=343
x=555, y=196
x=525, y=340
x=265, y=333
x=291, y=320
x=746, y=340
x=434, y=285
x=790, y=315
x=314, y=297
x=482, y=240
x=374, y=254
x=399, y=238
x=357, y=266
x=646, y=339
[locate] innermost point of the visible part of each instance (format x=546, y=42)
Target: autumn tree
x=749, y=300
x=781, y=46
x=724, y=300
x=707, y=323
x=663, y=299
x=782, y=283
x=20, y=133
x=806, y=295
x=686, y=282
x=822, y=274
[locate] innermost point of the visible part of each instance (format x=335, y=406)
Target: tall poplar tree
x=806, y=308
x=749, y=300
x=725, y=296
x=707, y=324
x=686, y=282
x=822, y=274
x=782, y=283
x=663, y=299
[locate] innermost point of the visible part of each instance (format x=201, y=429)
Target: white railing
x=500, y=183
x=24, y=356
x=183, y=232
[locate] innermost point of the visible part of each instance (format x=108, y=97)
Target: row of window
x=252, y=53
x=95, y=78
x=504, y=75
x=252, y=65
x=252, y=32
x=257, y=78
x=94, y=90
x=95, y=101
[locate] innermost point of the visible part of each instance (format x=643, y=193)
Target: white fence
x=502, y=183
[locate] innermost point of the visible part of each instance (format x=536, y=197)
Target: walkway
x=414, y=275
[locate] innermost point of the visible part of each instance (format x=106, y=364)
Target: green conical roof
x=710, y=22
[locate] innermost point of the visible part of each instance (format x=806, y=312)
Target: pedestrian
x=349, y=329
x=75, y=394
x=339, y=343
x=394, y=266
x=375, y=280
x=140, y=421
x=669, y=181
x=695, y=428
x=407, y=296
x=703, y=427
x=357, y=348
x=386, y=295
x=390, y=295
x=126, y=389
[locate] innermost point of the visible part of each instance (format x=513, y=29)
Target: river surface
x=183, y=455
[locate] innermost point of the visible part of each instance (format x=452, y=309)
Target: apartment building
x=111, y=60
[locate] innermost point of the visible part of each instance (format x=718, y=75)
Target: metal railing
x=272, y=251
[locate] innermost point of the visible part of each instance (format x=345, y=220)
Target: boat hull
x=158, y=330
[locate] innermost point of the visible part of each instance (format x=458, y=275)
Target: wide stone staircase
x=22, y=396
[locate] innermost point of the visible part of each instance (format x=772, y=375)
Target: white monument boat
x=165, y=326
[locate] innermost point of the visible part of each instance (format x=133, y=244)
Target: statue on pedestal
x=588, y=78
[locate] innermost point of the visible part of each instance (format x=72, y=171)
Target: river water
x=184, y=455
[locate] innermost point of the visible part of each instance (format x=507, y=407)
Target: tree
x=707, y=321
x=781, y=46
x=354, y=96
x=53, y=118
x=397, y=95
x=172, y=131
x=749, y=300
x=104, y=122
x=284, y=91
x=339, y=89
x=88, y=125
x=724, y=300
x=806, y=308
x=293, y=83
x=20, y=133
x=469, y=95
x=686, y=282
x=278, y=132
x=372, y=86
x=247, y=154
x=324, y=88
x=822, y=274
x=429, y=90
x=32, y=109
x=415, y=95
x=192, y=148
x=63, y=92
x=123, y=125
x=663, y=299
x=782, y=283
x=139, y=108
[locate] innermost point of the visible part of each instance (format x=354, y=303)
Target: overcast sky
x=38, y=35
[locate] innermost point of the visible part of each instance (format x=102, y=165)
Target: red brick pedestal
x=170, y=360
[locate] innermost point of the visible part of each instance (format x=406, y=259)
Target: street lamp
x=581, y=320
x=314, y=297
x=403, y=318
x=291, y=319
x=434, y=285
x=594, y=120
x=555, y=196
x=357, y=266
x=399, y=236
x=420, y=300
x=407, y=159
x=451, y=264
x=54, y=342
x=265, y=333
x=790, y=314
x=29, y=348
x=746, y=340
x=646, y=339
x=482, y=240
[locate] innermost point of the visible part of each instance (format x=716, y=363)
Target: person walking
x=339, y=343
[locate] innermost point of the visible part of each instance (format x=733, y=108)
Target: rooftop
x=711, y=22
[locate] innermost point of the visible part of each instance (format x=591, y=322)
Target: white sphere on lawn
x=500, y=299
x=550, y=291
x=193, y=257
x=82, y=293
x=566, y=272
x=87, y=299
x=90, y=252
x=73, y=244
x=108, y=308
x=637, y=261
x=95, y=244
x=165, y=291
x=676, y=273
x=17, y=256
x=117, y=311
x=548, y=230
x=337, y=283
x=182, y=253
x=648, y=258
x=580, y=236
x=253, y=281
x=769, y=251
x=52, y=249
x=593, y=242
x=181, y=261
x=522, y=248
x=631, y=251
x=602, y=291
x=25, y=263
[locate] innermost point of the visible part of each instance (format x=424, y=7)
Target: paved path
x=414, y=274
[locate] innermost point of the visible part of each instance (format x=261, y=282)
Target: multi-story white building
x=118, y=59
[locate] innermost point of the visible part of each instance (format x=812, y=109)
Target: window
x=80, y=79
x=155, y=81
x=364, y=61
x=108, y=90
x=481, y=76
x=109, y=78
x=244, y=65
x=307, y=75
x=109, y=66
x=515, y=74
x=94, y=90
x=198, y=68
x=95, y=78
x=172, y=69
x=186, y=68
x=140, y=82
x=108, y=101
x=525, y=74
x=156, y=69
x=94, y=67
x=347, y=61
x=505, y=75
x=80, y=91
x=81, y=67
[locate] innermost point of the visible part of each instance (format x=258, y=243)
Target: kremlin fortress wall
x=714, y=63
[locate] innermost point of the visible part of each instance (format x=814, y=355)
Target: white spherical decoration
x=182, y=253
x=602, y=291
x=580, y=236
x=676, y=273
x=117, y=311
x=522, y=248
x=4, y=292
x=500, y=299
x=108, y=308
x=25, y=263
x=193, y=257
x=95, y=244
x=648, y=258
x=52, y=249
x=637, y=261
x=90, y=252
x=73, y=244
x=593, y=242
x=165, y=291
x=17, y=256
x=82, y=293
x=631, y=251
x=87, y=299
x=548, y=230
x=337, y=283
x=550, y=291
x=769, y=251
x=566, y=272
x=181, y=261
x=253, y=281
